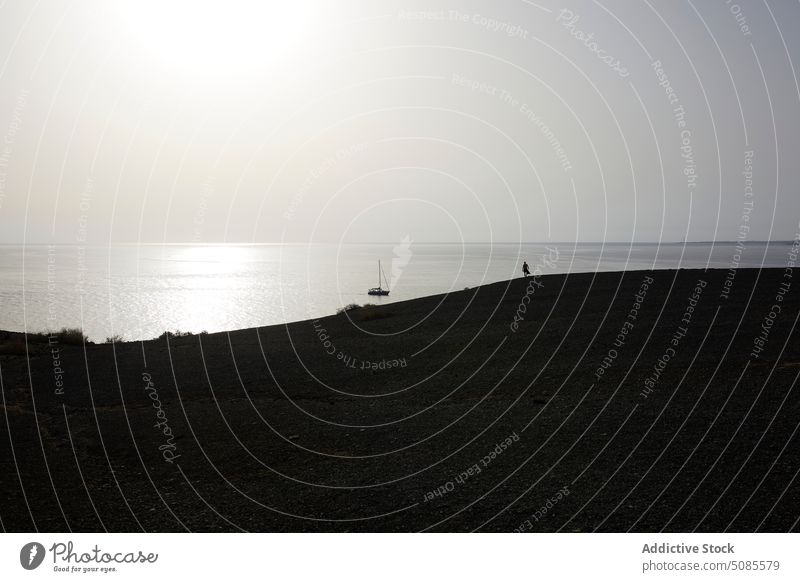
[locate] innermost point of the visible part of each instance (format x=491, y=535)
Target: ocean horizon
x=138, y=291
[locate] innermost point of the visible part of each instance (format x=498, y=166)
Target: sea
x=139, y=291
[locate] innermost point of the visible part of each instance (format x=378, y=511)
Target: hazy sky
x=369, y=121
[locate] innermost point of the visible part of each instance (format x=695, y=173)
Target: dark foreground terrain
x=462, y=421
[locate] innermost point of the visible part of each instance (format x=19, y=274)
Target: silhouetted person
x=525, y=270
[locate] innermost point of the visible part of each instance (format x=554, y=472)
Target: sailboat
x=380, y=290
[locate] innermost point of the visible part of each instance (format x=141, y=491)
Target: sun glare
x=212, y=37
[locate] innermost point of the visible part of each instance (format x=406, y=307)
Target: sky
x=369, y=121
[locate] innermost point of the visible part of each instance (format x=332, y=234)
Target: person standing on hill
x=525, y=270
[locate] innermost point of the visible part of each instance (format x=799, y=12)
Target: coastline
x=395, y=417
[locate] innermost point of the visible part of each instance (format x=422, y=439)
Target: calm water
x=138, y=291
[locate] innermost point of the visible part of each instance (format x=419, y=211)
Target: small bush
x=14, y=344
x=347, y=308
x=115, y=339
x=174, y=334
x=71, y=336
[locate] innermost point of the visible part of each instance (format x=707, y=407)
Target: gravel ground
x=596, y=410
